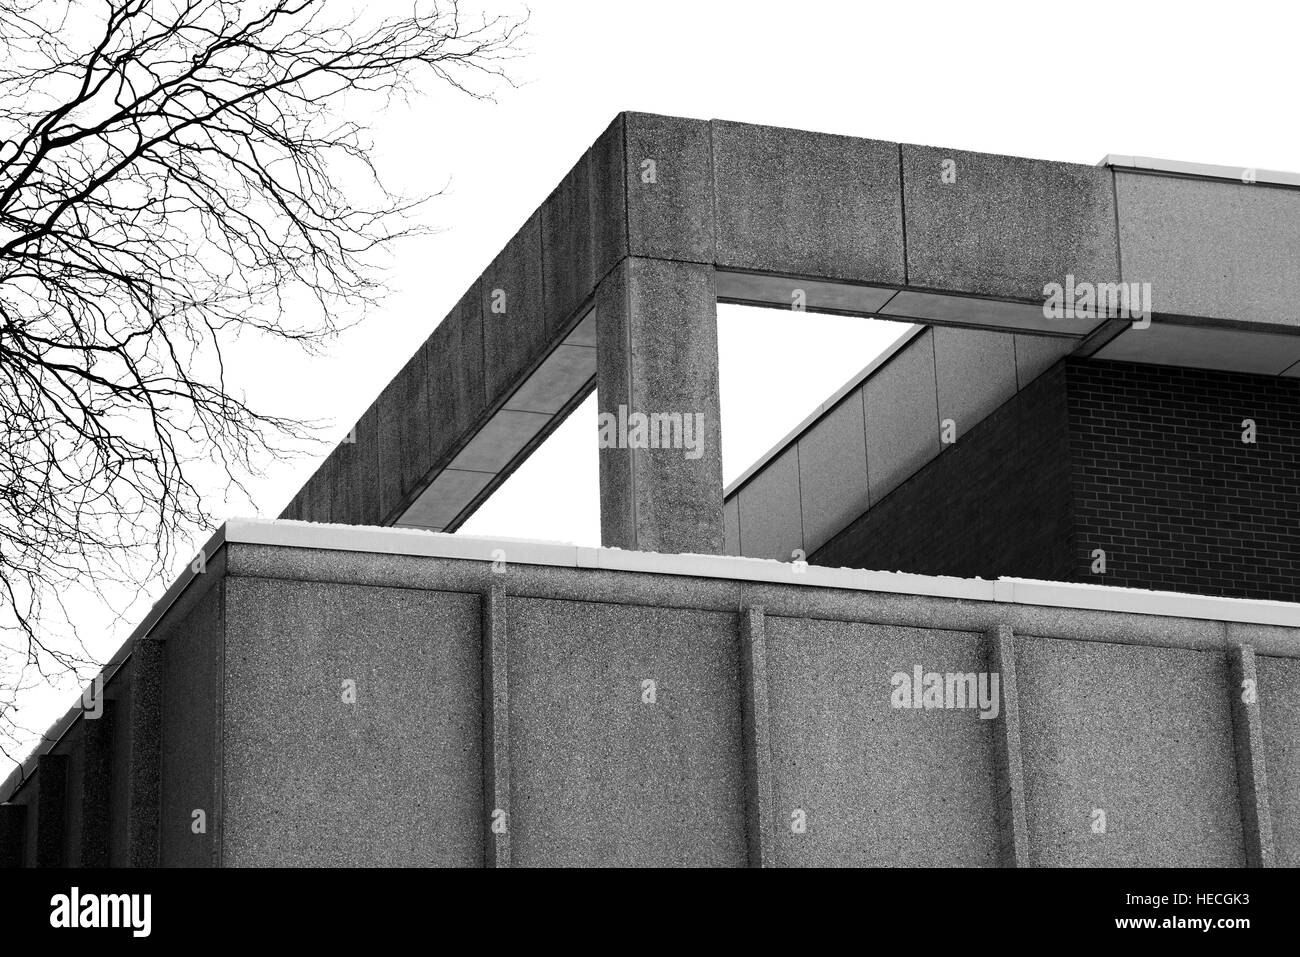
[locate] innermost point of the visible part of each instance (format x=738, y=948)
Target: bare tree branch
x=170, y=177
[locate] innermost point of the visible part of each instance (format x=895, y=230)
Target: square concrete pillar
x=657, y=381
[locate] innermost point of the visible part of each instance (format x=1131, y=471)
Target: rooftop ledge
x=427, y=544
x=418, y=542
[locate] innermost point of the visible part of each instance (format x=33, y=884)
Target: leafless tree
x=170, y=177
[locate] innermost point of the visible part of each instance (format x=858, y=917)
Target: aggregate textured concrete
x=191, y=734
x=72, y=748
x=811, y=204
x=516, y=338
x=96, y=787
x=145, y=769
x=119, y=808
x=392, y=779
x=13, y=835
x=1212, y=249
x=1141, y=734
x=670, y=217
x=877, y=785
x=51, y=797
x=1005, y=226
x=1036, y=354
x=603, y=778
x=657, y=352
x=1279, y=702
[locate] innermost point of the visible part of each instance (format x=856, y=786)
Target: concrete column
x=1248, y=745
x=145, y=773
x=657, y=377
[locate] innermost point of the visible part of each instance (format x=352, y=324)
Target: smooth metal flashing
x=1201, y=170
x=1021, y=591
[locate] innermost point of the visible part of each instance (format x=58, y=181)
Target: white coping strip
x=1023, y=591
x=427, y=544
x=1209, y=170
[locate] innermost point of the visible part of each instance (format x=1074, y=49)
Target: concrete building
x=1036, y=592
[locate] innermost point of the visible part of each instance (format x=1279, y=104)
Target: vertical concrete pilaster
x=757, y=742
x=96, y=789
x=657, y=355
x=496, y=731
x=144, y=774
x=51, y=796
x=1009, y=777
x=13, y=834
x=1248, y=746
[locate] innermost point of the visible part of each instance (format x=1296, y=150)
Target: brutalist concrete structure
x=1100, y=391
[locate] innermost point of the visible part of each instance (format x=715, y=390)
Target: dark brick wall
x=1163, y=483
x=994, y=503
x=1144, y=462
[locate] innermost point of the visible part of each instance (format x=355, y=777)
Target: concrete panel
x=877, y=785
x=563, y=374
x=445, y=498
x=670, y=203
x=601, y=776
x=1200, y=347
x=393, y=778
x=1213, y=249
x=1036, y=354
x=976, y=373
x=808, y=204
x=1279, y=701
x=404, y=453
x=515, y=332
x=1142, y=734
x=770, y=524
x=191, y=682
x=902, y=416
x=731, y=526
x=833, y=472
x=1005, y=226
x=498, y=442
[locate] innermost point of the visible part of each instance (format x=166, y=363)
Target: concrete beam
x=1008, y=767
x=856, y=227
x=657, y=355
x=96, y=785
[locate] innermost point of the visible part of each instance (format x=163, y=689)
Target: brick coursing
x=1144, y=462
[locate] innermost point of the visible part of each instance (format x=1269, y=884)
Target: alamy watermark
x=655, y=430
x=1098, y=300
x=948, y=690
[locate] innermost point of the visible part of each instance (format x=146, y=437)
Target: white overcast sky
x=1069, y=82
